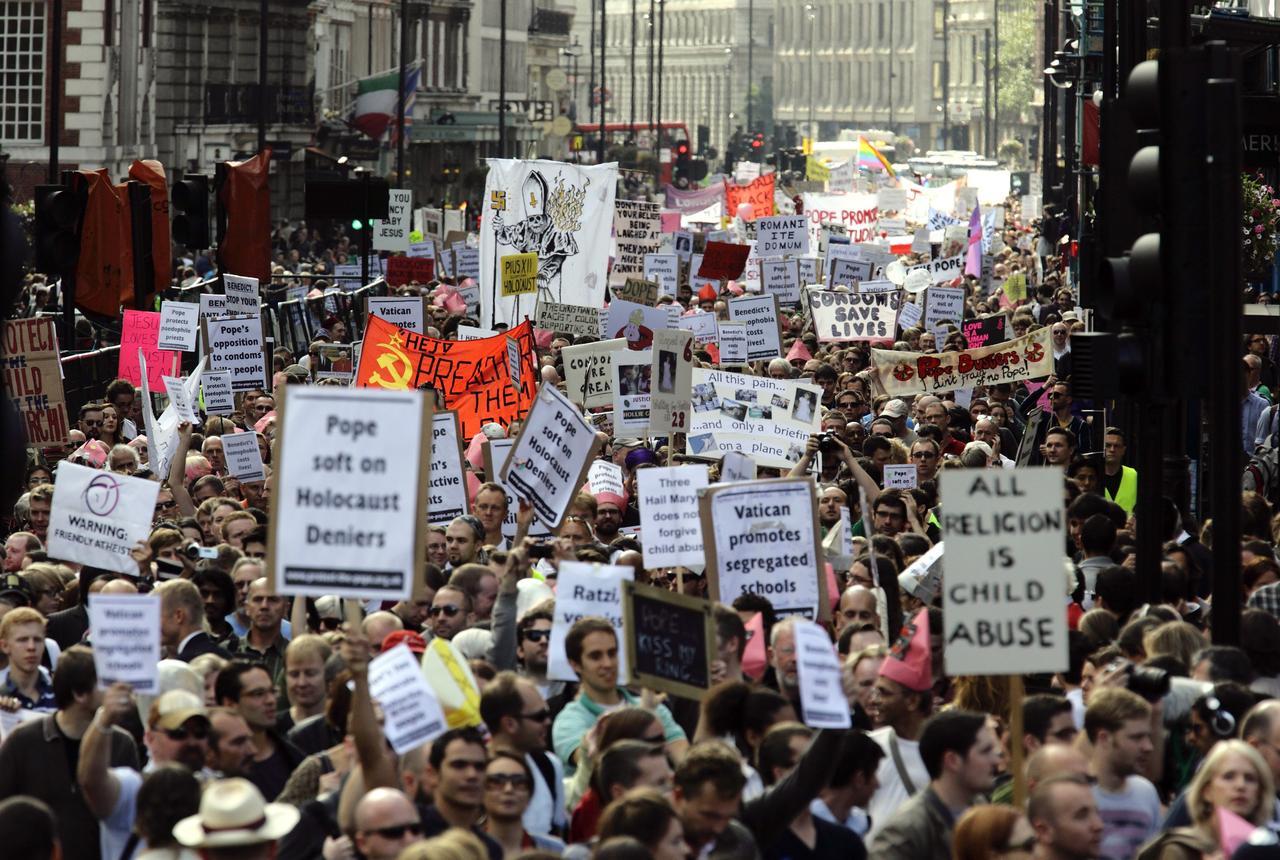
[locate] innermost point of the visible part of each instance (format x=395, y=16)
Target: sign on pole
x=669, y=518
x=97, y=516
x=551, y=456
x=670, y=640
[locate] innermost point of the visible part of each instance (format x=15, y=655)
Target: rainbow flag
x=869, y=158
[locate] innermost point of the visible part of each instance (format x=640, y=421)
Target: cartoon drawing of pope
x=551, y=218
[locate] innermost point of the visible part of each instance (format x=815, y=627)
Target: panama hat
x=233, y=813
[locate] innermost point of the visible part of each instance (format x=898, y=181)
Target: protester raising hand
x=178, y=472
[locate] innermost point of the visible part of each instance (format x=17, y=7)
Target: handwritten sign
x=670, y=640
x=141, y=331
x=519, y=274
x=567, y=319
x=840, y=317
x=393, y=233
x=908, y=373
x=637, y=229
x=588, y=372
x=33, y=379
x=637, y=290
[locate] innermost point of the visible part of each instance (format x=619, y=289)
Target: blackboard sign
x=985, y=331
x=671, y=640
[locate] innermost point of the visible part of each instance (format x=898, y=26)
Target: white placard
x=215, y=387
x=546, y=464
x=1004, y=590
x=782, y=236
x=849, y=273
x=737, y=466
x=605, y=476
x=588, y=372
x=840, y=317
x=892, y=199
x=770, y=419
x=927, y=569
x=499, y=449
x=568, y=319
x=10, y=720
x=176, y=389
x=682, y=240
x=632, y=386
x=634, y=323
x=782, y=279
x=822, y=700
x=126, y=639
x=412, y=714
x=669, y=515
x=920, y=243
x=586, y=590
x=469, y=332
x=900, y=476
x=97, y=516
x=242, y=295
x=943, y=305
x=407, y=312
x=702, y=324
x=733, y=343
x=244, y=457
x=665, y=269
x=671, y=380
x=448, y=485
x=211, y=305
x=760, y=313
x=349, y=498
x=179, y=322
x=808, y=270
x=393, y=233
x=235, y=345
x=909, y=315
x=467, y=262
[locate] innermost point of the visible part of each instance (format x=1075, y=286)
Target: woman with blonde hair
x=1176, y=639
x=454, y=844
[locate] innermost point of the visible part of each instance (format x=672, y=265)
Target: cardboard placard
x=586, y=590
x=849, y=273
x=568, y=319
x=902, y=476
x=732, y=340
x=670, y=640
x=176, y=390
x=141, y=332
x=406, y=312
x=782, y=236
x=179, y=324
x=211, y=305
x=519, y=274
x=841, y=317
x=672, y=371
x=637, y=227
x=412, y=714
x=665, y=270
x=242, y=295
x=496, y=452
x=632, y=385
x=393, y=233
x=943, y=305
x=723, y=261
x=97, y=517
x=636, y=290
x=126, y=639
x=236, y=345
x=349, y=510
x=215, y=391
x=551, y=456
x=822, y=700
x=605, y=476
x=669, y=518
x=588, y=372
x=448, y=483
x=764, y=328
x=33, y=378
x=244, y=457
x=781, y=278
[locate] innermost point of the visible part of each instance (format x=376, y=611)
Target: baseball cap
x=175, y=707
x=894, y=409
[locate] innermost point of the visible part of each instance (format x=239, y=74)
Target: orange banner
x=152, y=173
x=759, y=194
x=246, y=198
x=104, y=273
x=472, y=376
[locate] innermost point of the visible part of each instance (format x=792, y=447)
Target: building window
x=937, y=79
x=22, y=35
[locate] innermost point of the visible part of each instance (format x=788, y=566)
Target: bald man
x=386, y=823
x=857, y=607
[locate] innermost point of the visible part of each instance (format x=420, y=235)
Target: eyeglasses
x=86, y=422
x=537, y=716
x=197, y=731
x=449, y=610
x=537, y=635
x=502, y=780
x=396, y=831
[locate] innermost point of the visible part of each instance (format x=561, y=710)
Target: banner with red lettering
x=32, y=379
x=856, y=212
x=903, y=374
x=759, y=194
x=472, y=376
x=402, y=270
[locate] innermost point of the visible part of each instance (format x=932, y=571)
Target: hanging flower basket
x=1258, y=227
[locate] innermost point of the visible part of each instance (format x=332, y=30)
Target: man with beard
x=1065, y=816
x=518, y=720
x=230, y=743
x=1118, y=724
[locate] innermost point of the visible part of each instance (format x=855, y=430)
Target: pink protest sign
x=670, y=222
x=142, y=331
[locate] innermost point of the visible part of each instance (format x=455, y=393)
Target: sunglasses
x=449, y=610
x=199, y=732
x=537, y=635
x=502, y=780
x=396, y=831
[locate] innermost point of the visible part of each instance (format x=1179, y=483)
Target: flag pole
x=401, y=99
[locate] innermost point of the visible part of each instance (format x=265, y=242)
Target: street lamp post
x=751, y=42
x=988, y=146
x=728, y=103
x=995, y=77
x=809, y=9
x=946, y=74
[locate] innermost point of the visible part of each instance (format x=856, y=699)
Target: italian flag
x=376, y=101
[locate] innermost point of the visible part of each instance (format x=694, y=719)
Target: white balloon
x=896, y=272
x=918, y=281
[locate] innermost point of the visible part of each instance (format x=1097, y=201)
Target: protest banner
x=782, y=236
x=447, y=493
x=781, y=278
x=349, y=509
x=637, y=227
x=840, y=317
x=634, y=323
x=1004, y=590
x=393, y=233
x=495, y=454
x=693, y=200
x=735, y=467
x=943, y=305
x=732, y=341
x=702, y=324
x=179, y=323
x=97, y=516
x=215, y=391
x=856, y=213
x=588, y=372
x=722, y=261
x=758, y=195
x=406, y=312
x=412, y=715
x=670, y=640
x=764, y=328
x=769, y=419
x=636, y=290
x=672, y=370
x=909, y=315
x=33, y=378
x=175, y=389
x=236, y=345
x=141, y=331
x=126, y=640
x=902, y=477
x=942, y=270
x=669, y=518
x=567, y=319
x=767, y=543
x=823, y=704
x=632, y=387
x=984, y=331
x=586, y=590
x=212, y=305
x=605, y=476
x=402, y=270
x=682, y=242
x=665, y=269
x=242, y=295
x=244, y=457
x=519, y=275
x=551, y=455
x=473, y=377
x=905, y=374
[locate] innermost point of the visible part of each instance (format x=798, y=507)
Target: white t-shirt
x=1129, y=817
x=114, y=830
x=892, y=793
x=543, y=812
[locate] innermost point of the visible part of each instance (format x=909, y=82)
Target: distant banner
x=908, y=373
x=840, y=317
x=856, y=213
x=694, y=200
x=472, y=376
x=759, y=194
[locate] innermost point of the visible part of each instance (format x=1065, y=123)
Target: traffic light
x=58, y=211
x=190, y=202
x=757, y=143
x=680, y=172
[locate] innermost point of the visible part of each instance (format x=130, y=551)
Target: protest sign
x=985, y=330
x=241, y=294
x=737, y=466
x=466, y=261
x=411, y=713
x=403, y=270
x=856, y=213
x=514, y=362
x=769, y=419
x=920, y=243
x=470, y=332
x=840, y=317
x=179, y=322
x=808, y=270
x=672, y=368
x=943, y=305
x=781, y=278
x=665, y=269
x=927, y=570
x=764, y=329
x=126, y=639
x=495, y=454
x=892, y=199
x=141, y=331
x=732, y=338
x=669, y=518
x=702, y=325
x=848, y=273
x=567, y=319
x=634, y=323
x=448, y=483
x=638, y=231
x=430, y=222
x=722, y=261
x=333, y=361
x=902, y=477
x=393, y=233
x=943, y=269
x=636, y=290
x=215, y=391
x=588, y=372
x=584, y=590
x=162, y=432
x=670, y=640
x=758, y=195
x=682, y=241
x=244, y=457
x=407, y=312
x=909, y=315
x=605, y=476
x=349, y=509
x=893, y=226
x=551, y=455
x=519, y=275
x=175, y=388
x=908, y=373
x=235, y=345
x=766, y=542
x=632, y=387
x=346, y=276
x=97, y=517
x=1004, y=589
x=473, y=376
x=212, y=305
x=782, y=236
x=33, y=378
x=822, y=701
